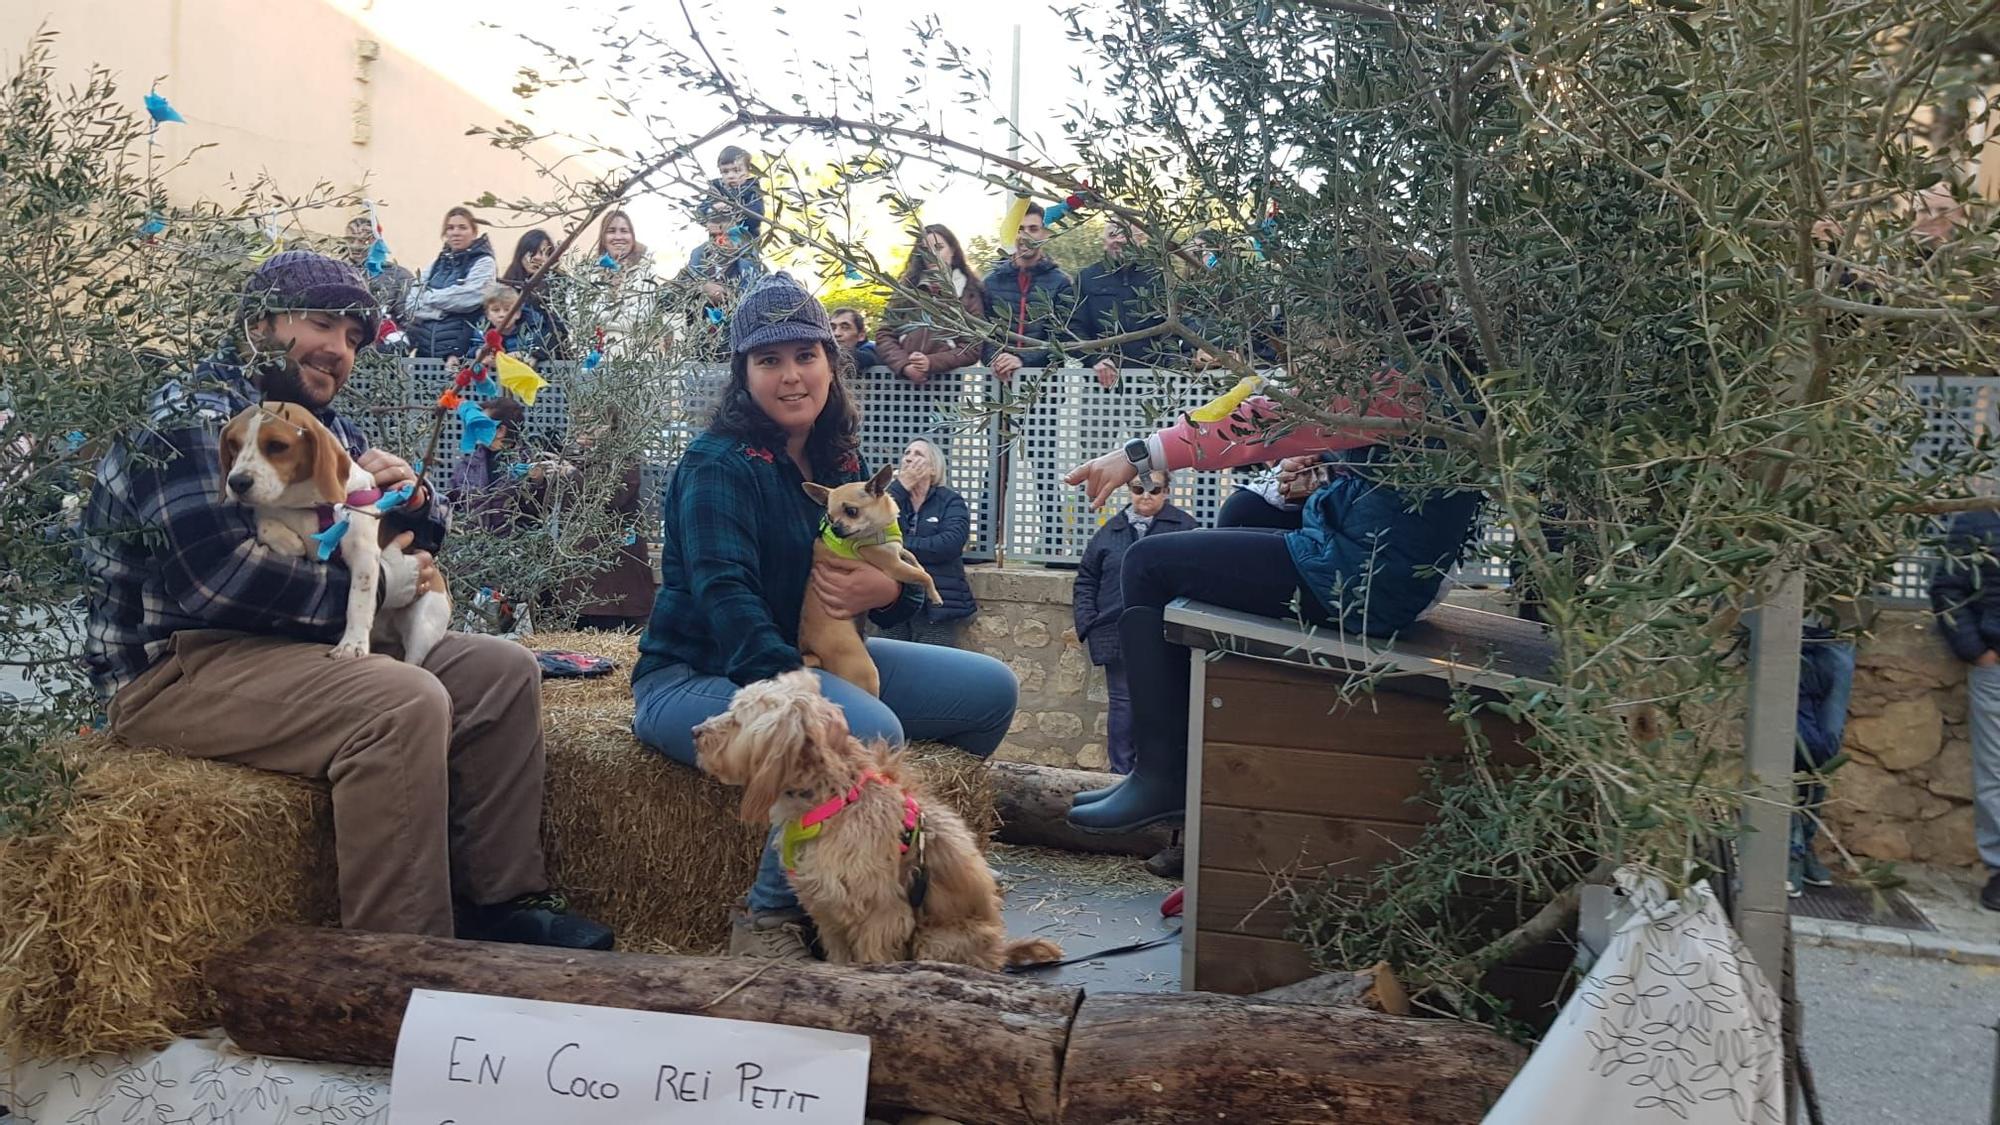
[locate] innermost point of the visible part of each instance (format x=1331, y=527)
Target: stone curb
x=1894, y=942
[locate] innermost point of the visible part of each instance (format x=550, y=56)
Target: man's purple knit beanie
x=303, y=281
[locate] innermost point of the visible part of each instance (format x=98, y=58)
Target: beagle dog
x=310, y=497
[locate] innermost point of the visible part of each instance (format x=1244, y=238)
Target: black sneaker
x=1990, y=897
x=537, y=919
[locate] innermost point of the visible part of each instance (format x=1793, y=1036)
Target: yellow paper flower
x=1218, y=409
x=518, y=379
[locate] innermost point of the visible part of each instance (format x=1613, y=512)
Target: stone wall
x=1906, y=791
x=1024, y=620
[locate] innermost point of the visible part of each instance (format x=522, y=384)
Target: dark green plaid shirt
x=735, y=557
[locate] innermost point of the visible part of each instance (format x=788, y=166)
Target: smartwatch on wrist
x=1137, y=453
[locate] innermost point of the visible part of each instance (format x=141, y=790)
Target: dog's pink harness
x=809, y=825
x=360, y=498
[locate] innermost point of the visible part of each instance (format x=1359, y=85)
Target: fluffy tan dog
x=884, y=875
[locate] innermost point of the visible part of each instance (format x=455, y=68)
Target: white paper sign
x=487, y=1060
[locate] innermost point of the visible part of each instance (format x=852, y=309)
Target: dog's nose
x=240, y=483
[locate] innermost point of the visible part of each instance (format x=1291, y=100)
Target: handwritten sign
x=487, y=1060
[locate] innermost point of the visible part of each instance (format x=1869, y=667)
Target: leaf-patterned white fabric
x=1675, y=1023
x=204, y=1081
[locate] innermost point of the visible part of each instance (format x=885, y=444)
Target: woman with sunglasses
x=1100, y=598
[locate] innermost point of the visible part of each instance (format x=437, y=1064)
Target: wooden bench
x=1287, y=780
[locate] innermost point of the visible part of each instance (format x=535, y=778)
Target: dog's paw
x=347, y=650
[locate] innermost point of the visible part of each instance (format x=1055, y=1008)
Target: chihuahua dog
x=279, y=460
x=860, y=524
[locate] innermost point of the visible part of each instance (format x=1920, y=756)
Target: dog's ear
x=879, y=483
x=232, y=441
x=330, y=464
x=764, y=785
x=818, y=492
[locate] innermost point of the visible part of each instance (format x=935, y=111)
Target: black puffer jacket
x=936, y=534
x=1099, y=597
x=1113, y=299
x=1965, y=591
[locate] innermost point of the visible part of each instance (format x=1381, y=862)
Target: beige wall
x=277, y=86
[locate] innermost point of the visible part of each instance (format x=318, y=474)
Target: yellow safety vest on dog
x=851, y=548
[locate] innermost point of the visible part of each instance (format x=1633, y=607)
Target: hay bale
x=160, y=861
x=156, y=863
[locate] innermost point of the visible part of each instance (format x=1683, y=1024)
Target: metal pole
x=1014, y=104
x=1763, y=913
x=1996, y=1075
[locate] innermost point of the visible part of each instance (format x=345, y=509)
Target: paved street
x=1897, y=1039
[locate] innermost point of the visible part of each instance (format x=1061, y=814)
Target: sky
x=763, y=46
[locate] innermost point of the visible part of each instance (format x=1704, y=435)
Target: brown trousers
x=436, y=771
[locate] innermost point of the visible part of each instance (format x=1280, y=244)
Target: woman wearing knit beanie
x=736, y=562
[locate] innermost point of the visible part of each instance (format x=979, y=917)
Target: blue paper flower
x=739, y=234
x=378, y=257
x=853, y=274
x=1054, y=213
x=479, y=429
x=154, y=224
x=608, y=262
x=329, y=539
x=390, y=501
x=159, y=109
x=715, y=316
x=591, y=361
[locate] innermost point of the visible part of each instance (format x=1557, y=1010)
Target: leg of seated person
x=378, y=729
x=939, y=694
x=498, y=765
x=1248, y=570
x=1247, y=509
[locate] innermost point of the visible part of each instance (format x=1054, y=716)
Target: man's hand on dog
x=849, y=588
x=391, y=473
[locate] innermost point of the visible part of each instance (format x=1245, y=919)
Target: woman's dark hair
x=835, y=435
x=531, y=242
x=459, y=213
x=920, y=259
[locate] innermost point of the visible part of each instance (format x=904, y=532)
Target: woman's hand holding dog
x=850, y=588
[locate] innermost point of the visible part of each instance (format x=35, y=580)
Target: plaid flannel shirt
x=736, y=553
x=164, y=553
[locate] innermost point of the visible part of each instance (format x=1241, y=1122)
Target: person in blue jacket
x=1030, y=296
x=1965, y=592
x=936, y=525
x=736, y=564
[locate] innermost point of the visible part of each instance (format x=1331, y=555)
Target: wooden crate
x=1285, y=777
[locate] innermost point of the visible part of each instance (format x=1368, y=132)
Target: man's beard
x=281, y=379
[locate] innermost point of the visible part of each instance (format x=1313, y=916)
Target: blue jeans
x=929, y=694
x=1835, y=663
x=1118, y=718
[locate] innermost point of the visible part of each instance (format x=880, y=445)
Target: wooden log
x=1138, y=1059
x=1033, y=803
x=1375, y=988
x=973, y=1046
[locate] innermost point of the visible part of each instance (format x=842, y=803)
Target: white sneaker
x=778, y=935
